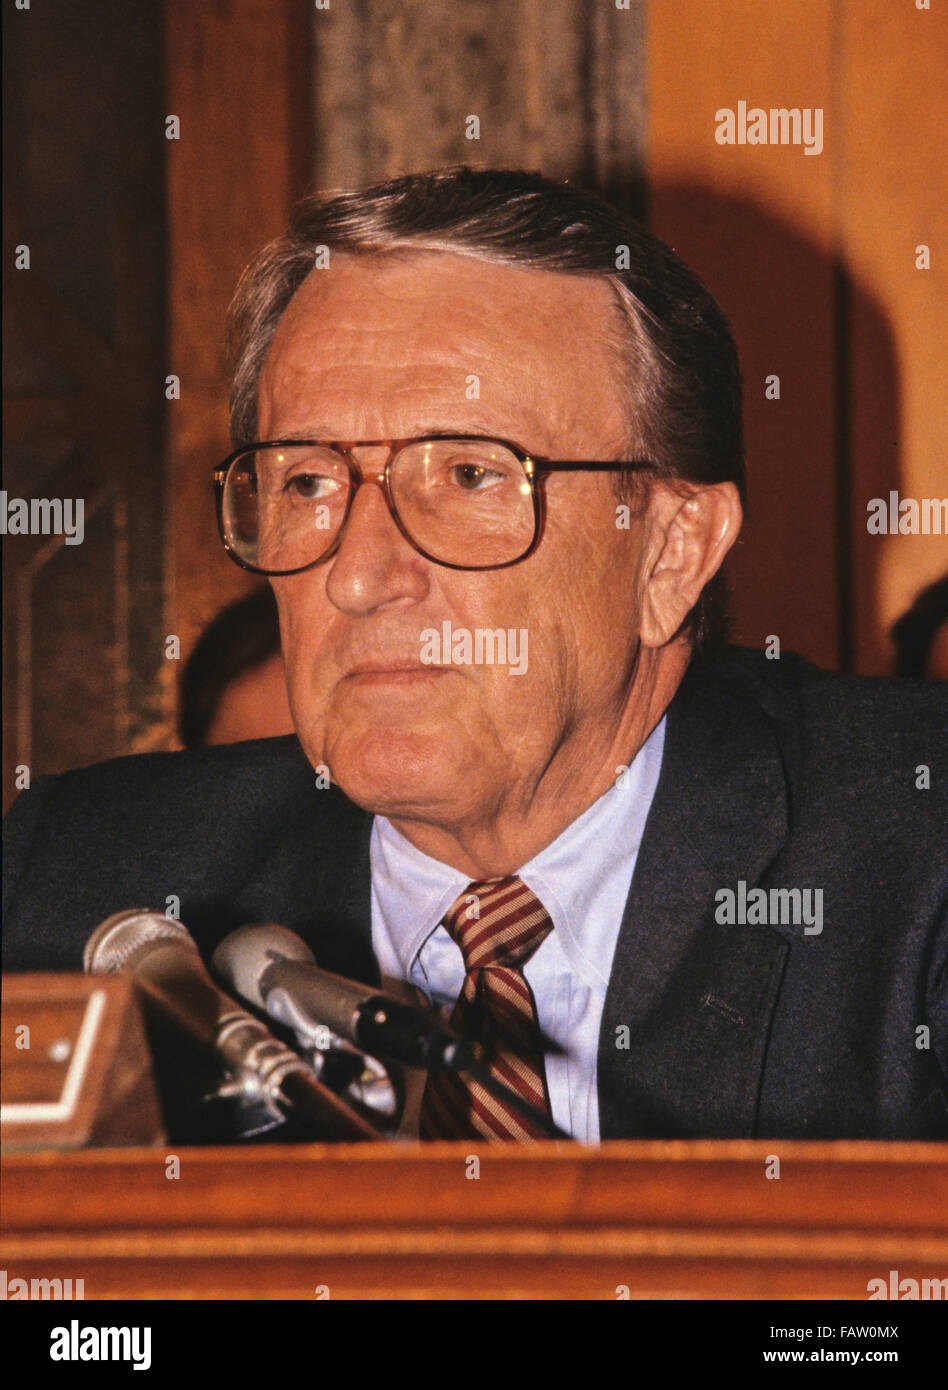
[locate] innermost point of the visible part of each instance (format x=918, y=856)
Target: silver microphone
x=162, y=956
x=272, y=967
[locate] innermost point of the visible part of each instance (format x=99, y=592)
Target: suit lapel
x=340, y=916
x=689, y=1002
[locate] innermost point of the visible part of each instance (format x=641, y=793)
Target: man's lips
x=397, y=671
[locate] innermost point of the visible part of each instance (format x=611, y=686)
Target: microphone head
x=245, y=954
x=116, y=940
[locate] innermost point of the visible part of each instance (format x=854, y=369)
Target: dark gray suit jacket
x=774, y=773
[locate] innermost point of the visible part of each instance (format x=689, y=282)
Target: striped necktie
x=498, y=924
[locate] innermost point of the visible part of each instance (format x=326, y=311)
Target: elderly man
x=488, y=450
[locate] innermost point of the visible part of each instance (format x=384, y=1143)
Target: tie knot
x=498, y=921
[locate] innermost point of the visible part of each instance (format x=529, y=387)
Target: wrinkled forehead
x=386, y=337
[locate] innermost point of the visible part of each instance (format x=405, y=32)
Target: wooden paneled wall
x=814, y=257
x=83, y=673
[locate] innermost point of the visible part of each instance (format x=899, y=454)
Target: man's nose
x=375, y=565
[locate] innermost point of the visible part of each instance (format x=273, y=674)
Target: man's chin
x=400, y=773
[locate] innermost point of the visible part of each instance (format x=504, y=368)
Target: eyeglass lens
x=464, y=502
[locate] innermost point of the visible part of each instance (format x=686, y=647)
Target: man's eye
x=310, y=487
x=474, y=477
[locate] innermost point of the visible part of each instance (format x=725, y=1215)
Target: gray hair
x=681, y=363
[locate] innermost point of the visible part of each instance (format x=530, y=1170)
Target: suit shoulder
x=198, y=824
x=860, y=709
x=210, y=767
x=879, y=745
x=238, y=795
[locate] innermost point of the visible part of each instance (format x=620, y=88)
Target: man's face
x=392, y=348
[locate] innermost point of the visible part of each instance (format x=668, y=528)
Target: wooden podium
x=639, y=1220
x=645, y=1220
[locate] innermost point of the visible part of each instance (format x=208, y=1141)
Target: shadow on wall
x=822, y=413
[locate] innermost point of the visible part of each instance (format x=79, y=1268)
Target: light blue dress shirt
x=583, y=881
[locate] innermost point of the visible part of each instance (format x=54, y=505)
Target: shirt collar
x=586, y=869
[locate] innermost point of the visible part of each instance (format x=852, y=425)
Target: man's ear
x=691, y=528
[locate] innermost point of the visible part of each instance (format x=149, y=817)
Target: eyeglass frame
x=533, y=465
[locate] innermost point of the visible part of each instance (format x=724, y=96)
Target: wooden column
x=554, y=85
x=238, y=79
